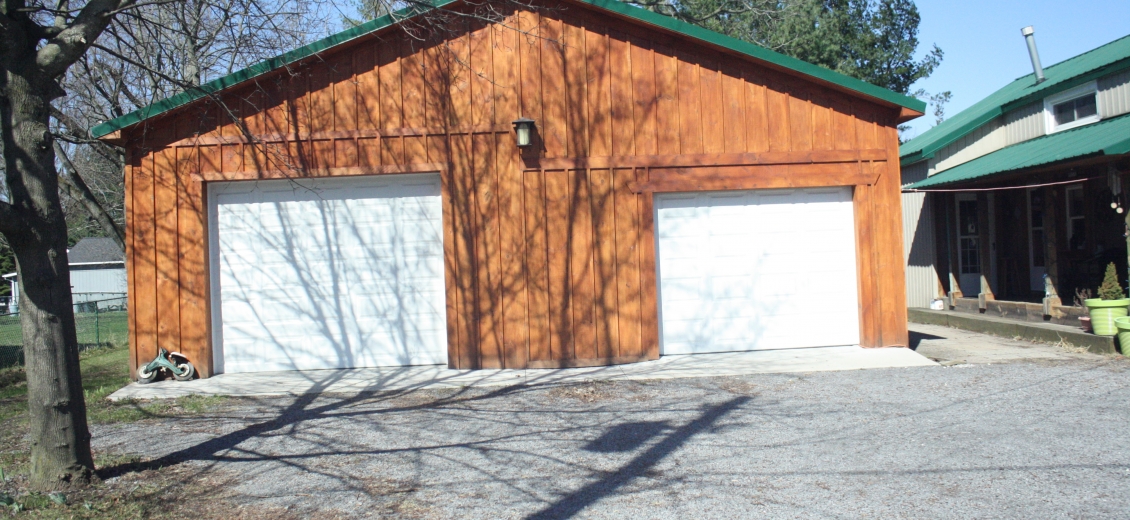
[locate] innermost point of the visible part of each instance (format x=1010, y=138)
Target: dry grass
x=738, y=386
x=586, y=392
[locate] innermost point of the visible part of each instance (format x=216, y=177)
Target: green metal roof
x=614, y=6
x=1110, y=137
x=1066, y=74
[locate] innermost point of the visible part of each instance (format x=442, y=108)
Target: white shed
x=98, y=272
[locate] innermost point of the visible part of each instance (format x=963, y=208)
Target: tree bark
x=60, y=437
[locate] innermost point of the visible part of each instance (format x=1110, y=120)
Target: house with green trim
x=1015, y=205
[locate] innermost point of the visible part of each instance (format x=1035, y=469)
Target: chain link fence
x=99, y=323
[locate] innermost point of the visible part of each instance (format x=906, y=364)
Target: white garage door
x=328, y=273
x=761, y=269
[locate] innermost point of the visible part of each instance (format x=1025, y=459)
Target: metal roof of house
x=1109, y=137
x=615, y=6
x=94, y=251
x=1066, y=74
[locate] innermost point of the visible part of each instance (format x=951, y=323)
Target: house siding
x=1114, y=94
x=104, y=282
x=550, y=253
x=986, y=139
x=1024, y=123
x=918, y=232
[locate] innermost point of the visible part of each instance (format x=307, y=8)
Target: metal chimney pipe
x=1030, y=37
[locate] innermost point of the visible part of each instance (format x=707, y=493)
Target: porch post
x=1051, y=262
x=951, y=224
x=1118, y=181
x=941, y=242
x=985, y=247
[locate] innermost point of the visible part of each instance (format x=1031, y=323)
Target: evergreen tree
x=1111, y=289
x=872, y=40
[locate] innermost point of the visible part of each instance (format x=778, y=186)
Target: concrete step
x=1039, y=332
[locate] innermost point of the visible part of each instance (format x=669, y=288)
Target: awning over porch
x=1110, y=137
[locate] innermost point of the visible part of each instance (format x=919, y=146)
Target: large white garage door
x=328, y=273
x=761, y=269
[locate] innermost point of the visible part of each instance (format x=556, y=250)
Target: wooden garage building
x=362, y=201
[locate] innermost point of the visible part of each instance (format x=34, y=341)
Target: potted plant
x=1110, y=304
x=1082, y=295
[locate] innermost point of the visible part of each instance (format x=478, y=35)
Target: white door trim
x=968, y=280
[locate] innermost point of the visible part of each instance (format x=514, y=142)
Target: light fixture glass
x=523, y=131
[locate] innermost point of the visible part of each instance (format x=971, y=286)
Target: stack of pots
x=1109, y=318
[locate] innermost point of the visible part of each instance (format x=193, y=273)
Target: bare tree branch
x=78, y=190
x=60, y=52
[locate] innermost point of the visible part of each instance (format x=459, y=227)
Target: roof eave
x=927, y=151
x=1065, y=84
x=909, y=107
x=1070, y=162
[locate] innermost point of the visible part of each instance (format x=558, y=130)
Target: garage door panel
x=756, y=269
x=335, y=273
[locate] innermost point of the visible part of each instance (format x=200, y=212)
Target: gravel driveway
x=1044, y=437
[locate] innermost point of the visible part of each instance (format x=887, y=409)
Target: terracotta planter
x=1085, y=323
x=1103, y=313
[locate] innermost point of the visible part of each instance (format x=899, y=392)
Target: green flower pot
x=1123, y=326
x=1103, y=313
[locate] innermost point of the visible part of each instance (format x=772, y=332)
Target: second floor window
x=1072, y=108
x=1075, y=110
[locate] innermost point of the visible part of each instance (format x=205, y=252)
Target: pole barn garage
x=578, y=183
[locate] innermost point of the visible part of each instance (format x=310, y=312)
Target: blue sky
x=985, y=50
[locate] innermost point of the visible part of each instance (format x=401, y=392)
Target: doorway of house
x=969, y=245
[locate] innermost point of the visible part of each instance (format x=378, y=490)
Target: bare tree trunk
x=37, y=232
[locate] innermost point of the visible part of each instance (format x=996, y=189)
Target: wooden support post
x=941, y=242
x=985, y=248
x=1051, y=250
x=952, y=246
x=1126, y=217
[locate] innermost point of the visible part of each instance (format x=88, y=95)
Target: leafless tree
x=67, y=66
x=64, y=67
x=149, y=53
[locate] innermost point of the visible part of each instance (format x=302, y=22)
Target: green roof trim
x=760, y=53
x=956, y=134
x=615, y=6
x=254, y=71
x=1107, y=137
x=1100, y=61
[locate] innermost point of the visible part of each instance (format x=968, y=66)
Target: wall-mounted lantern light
x=523, y=130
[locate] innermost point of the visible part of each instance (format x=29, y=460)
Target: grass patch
x=106, y=329
x=171, y=492
x=104, y=370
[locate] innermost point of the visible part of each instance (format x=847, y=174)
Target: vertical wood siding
x=547, y=264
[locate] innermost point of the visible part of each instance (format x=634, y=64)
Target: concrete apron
x=386, y=379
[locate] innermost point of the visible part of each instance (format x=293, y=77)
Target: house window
x=1075, y=107
x=1074, y=110
x=968, y=239
x=1076, y=224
